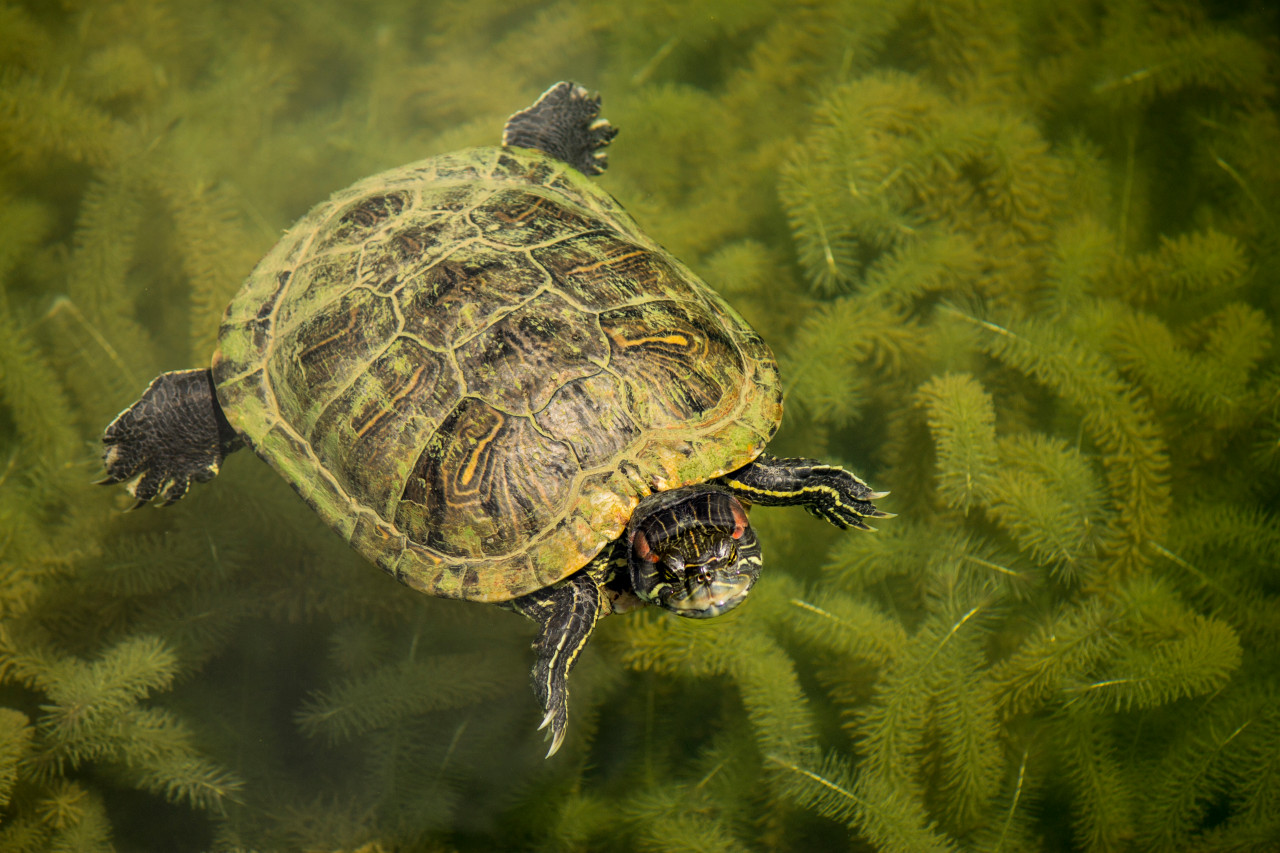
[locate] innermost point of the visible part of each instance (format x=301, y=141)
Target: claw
x=556, y=733
x=106, y=481
x=875, y=496
x=173, y=489
x=173, y=434
x=555, y=743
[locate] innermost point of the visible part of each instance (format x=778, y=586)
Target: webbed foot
x=175, y=433
x=564, y=123
x=826, y=491
x=567, y=613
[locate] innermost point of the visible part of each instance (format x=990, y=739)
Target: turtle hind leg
x=567, y=613
x=173, y=434
x=564, y=123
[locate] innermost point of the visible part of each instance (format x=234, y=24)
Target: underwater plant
x=1019, y=263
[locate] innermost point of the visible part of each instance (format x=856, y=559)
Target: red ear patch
x=739, y=519
x=643, y=551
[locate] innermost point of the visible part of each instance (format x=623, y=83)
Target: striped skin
x=692, y=551
x=689, y=550
x=475, y=366
x=566, y=614
x=828, y=492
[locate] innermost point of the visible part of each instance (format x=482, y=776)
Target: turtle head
x=692, y=551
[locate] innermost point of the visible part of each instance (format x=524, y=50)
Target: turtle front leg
x=827, y=491
x=567, y=613
x=173, y=434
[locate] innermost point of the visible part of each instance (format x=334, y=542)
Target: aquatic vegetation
x=1019, y=263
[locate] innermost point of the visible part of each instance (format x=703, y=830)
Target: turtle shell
x=473, y=367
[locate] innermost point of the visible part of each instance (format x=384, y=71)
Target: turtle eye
x=674, y=565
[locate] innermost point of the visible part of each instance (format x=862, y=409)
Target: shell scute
x=485, y=483
x=450, y=302
x=387, y=262
x=309, y=368
x=679, y=366
x=592, y=416
x=386, y=414
x=521, y=360
x=600, y=270
x=526, y=216
x=359, y=220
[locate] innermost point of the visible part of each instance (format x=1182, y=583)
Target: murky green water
x=1019, y=265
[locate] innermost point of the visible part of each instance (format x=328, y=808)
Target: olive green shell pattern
x=474, y=366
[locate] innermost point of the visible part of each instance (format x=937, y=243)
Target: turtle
x=481, y=373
